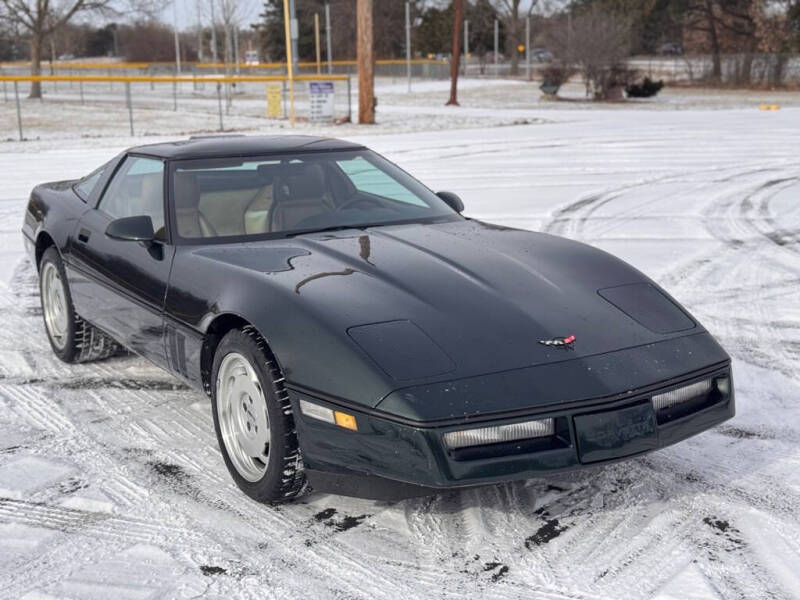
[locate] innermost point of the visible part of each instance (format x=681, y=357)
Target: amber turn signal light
x=345, y=420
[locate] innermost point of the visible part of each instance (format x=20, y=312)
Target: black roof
x=242, y=145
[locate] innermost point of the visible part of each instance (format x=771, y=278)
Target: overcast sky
x=188, y=9
x=250, y=9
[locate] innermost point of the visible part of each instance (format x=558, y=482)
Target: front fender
x=312, y=352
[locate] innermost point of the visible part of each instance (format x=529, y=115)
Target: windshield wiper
x=332, y=228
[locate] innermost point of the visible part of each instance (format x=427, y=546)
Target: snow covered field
x=111, y=485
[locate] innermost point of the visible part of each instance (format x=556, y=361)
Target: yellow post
x=316, y=39
x=289, y=68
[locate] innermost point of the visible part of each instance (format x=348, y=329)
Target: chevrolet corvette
x=354, y=331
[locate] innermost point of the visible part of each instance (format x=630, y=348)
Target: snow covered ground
x=111, y=484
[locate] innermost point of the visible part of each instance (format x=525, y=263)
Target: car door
x=117, y=285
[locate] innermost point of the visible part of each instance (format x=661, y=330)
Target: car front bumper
x=387, y=459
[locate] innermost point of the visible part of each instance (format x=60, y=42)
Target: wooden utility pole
x=458, y=23
x=366, y=62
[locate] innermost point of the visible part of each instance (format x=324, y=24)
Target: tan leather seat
x=190, y=221
x=300, y=196
x=256, y=215
x=151, y=201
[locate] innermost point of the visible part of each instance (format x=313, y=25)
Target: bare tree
x=458, y=23
x=513, y=14
x=598, y=42
x=731, y=21
x=41, y=18
x=231, y=12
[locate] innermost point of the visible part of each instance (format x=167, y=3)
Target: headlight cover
x=682, y=394
x=499, y=433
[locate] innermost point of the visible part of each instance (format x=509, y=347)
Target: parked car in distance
x=671, y=49
x=354, y=330
x=541, y=55
x=251, y=57
x=490, y=57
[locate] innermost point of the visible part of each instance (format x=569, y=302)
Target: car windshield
x=273, y=196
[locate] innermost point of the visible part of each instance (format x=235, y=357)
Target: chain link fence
x=141, y=104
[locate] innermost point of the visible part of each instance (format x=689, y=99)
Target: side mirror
x=132, y=229
x=452, y=200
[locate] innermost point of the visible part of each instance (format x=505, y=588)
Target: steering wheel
x=360, y=199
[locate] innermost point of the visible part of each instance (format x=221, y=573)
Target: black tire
x=284, y=476
x=80, y=341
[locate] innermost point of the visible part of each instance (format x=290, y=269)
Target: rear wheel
x=253, y=419
x=72, y=339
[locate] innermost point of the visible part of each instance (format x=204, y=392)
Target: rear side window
x=85, y=186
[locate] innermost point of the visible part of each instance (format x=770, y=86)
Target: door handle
x=83, y=235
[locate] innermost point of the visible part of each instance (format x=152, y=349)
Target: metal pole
x=496, y=44
x=219, y=102
x=19, y=111
x=349, y=107
x=466, y=45
x=283, y=97
x=80, y=85
x=328, y=37
x=200, y=52
x=236, y=48
x=214, y=54
x=294, y=30
x=408, y=44
x=177, y=41
x=175, y=95
x=316, y=42
x=528, y=47
x=569, y=36
x=130, y=104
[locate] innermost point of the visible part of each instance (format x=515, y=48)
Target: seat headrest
x=187, y=195
x=307, y=181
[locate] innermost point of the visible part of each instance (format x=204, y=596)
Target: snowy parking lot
x=111, y=484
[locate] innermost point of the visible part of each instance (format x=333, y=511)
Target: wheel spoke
x=243, y=417
x=54, y=305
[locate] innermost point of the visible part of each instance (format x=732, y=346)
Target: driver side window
x=137, y=189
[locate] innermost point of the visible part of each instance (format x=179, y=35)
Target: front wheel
x=72, y=339
x=253, y=419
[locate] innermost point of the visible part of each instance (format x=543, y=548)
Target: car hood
x=448, y=301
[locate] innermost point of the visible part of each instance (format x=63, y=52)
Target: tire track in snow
x=34, y=409
x=573, y=219
x=623, y=531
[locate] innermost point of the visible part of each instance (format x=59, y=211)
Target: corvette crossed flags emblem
x=562, y=342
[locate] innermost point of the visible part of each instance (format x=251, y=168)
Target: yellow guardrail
x=81, y=65
x=335, y=63
x=171, y=78
x=205, y=65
